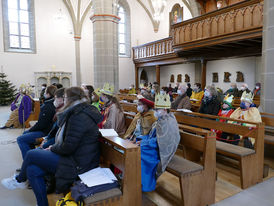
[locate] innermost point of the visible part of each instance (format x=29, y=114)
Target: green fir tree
x=7, y=90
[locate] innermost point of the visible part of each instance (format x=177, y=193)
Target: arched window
x=124, y=29
x=18, y=19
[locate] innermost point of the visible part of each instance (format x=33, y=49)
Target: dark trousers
x=27, y=140
x=235, y=136
x=37, y=163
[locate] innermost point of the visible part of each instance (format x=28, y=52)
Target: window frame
x=6, y=29
x=127, y=30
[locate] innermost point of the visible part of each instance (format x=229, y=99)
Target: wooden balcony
x=238, y=26
x=153, y=51
x=233, y=31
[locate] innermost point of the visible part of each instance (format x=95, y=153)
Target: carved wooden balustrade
x=153, y=49
x=232, y=31
x=240, y=21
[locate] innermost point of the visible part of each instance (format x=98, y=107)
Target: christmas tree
x=7, y=90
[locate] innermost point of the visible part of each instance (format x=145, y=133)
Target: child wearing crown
x=247, y=111
x=113, y=116
x=159, y=146
x=226, y=111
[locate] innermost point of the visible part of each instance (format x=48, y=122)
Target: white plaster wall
x=86, y=52
x=142, y=30
x=183, y=69
x=55, y=46
x=245, y=65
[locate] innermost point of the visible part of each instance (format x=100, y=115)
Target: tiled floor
x=10, y=160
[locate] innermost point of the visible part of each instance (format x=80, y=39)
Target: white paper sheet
x=97, y=176
x=184, y=110
x=108, y=133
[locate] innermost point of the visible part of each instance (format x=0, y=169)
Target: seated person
x=143, y=120
x=197, y=93
x=225, y=111
x=257, y=90
x=182, y=101
x=43, y=89
x=233, y=90
x=159, y=146
x=132, y=89
x=58, y=103
x=20, y=109
x=44, y=124
x=88, y=89
x=210, y=103
x=243, y=88
x=75, y=151
x=154, y=90
x=189, y=90
x=95, y=98
x=113, y=116
x=247, y=111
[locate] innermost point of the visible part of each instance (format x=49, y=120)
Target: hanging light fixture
x=158, y=5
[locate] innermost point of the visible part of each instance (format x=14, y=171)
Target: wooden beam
x=158, y=74
x=136, y=77
x=203, y=75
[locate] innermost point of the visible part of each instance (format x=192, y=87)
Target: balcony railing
x=153, y=49
x=244, y=17
x=238, y=22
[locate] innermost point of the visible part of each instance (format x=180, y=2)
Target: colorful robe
x=24, y=105
x=157, y=149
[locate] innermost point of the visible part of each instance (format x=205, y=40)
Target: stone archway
x=143, y=76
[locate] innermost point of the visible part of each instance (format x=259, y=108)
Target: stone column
x=105, y=43
x=77, y=58
x=267, y=96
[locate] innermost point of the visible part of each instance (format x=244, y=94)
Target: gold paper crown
x=247, y=97
x=162, y=101
x=26, y=88
x=108, y=89
x=97, y=91
x=228, y=99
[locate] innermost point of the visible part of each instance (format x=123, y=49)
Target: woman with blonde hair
x=76, y=149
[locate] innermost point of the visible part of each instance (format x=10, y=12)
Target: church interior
x=192, y=76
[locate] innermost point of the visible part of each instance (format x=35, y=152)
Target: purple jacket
x=24, y=109
x=13, y=104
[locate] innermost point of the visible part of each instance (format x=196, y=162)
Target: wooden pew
x=250, y=161
x=127, y=97
x=197, y=179
x=34, y=115
x=268, y=120
x=127, y=157
x=129, y=107
x=124, y=91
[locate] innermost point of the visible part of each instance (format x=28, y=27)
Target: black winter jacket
x=45, y=122
x=80, y=150
x=211, y=106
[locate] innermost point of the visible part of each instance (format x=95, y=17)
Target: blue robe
x=149, y=160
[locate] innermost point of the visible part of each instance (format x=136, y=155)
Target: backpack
x=68, y=201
